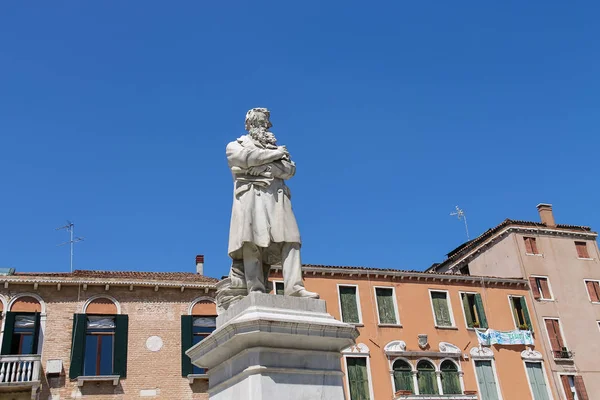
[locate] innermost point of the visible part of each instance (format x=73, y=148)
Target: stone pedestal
x=275, y=347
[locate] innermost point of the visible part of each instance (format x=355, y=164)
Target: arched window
x=403, y=376
x=450, y=378
x=426, y=378
x=196, y=326
x=22, y=329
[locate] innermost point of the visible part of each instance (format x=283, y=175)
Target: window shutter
x=567, y=387
x=580, y=388
x=349, y=306
x=187, y=341
x=467, y=308
x=36, y=335
x=528, y=246
x=481, y=312
x=534, y=249
x=77, y=345
x=554, y=343
x=582, y=250
x=440, y=307
x=9, y=327
x=534, y=288
x=559, y=337
x=545, y=288
x=121, y=332
x=385, y=306
x=597, y=290
x=592, y=290
x=526, y=313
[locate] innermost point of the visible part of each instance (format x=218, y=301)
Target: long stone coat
x=262, y=211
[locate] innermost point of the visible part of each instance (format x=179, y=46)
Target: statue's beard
x=264, y=137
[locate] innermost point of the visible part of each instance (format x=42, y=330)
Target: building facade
x=418, y=334
x=103, y=335
x=562, y=264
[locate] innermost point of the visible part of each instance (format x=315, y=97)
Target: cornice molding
x=112, y=282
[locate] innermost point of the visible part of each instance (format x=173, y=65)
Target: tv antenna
x=460, y=214
x=70, y=227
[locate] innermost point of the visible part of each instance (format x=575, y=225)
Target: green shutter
x=427, y=378
x=349, y=304
x=9, y=327
x=467, y=308
x=36, y=335
x=526, y=313
x=358, y=379
x=187, y=341
x=77, y=345
x=385, y=306
x=440, y=307
x=481, y=312
x=402, y=376
x=121, y=332
x=450, y=378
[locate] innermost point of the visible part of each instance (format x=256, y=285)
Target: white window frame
x=536, y=357
x=487, y=356
x=362, y=352
x=438, y=377
x=360, y=318
x=549, y=287
x=510, y=305
x=585, y=281
x=562, y=388
x=413, y=371
x=562, y=334
x=586, y=248
x=43, y=316
x=460, y=376
x=460, y=293
x=536, y=243
x=379, y=323
x=449, y=301
x=275, y=286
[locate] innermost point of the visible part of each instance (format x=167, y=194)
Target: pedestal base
x=271, y=347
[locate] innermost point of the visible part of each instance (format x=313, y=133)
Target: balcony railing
x=564, y=354
x=20, y=370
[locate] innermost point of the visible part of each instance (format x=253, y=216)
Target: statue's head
x=258, y=118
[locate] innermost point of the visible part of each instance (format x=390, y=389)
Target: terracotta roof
x=463, y=248
x=123, y=275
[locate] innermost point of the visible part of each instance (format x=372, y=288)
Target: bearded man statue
x=263, y=230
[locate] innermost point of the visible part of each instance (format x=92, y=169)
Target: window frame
x=460, y=293
x=449, y=302
x=339, y=298
x=413, y=372
x=369, y=377
x=562, y=336
x=539, y=253
x=275, y=283
x=396, y=313
x=510, y=304
x=585, y=281
x=549, y=287
x=436, y=370
x=541, y=362
x=492, y=361
x=588, y=258
x=112, y=333
x=562, y=388
x=460, y=376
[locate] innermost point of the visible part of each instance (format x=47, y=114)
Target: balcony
x=563, y=355
x=407, y=395
x=20, y=373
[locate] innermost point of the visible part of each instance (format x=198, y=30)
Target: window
x=537, y=381
x=474, y=312
x=465, y=270
x=349, y=304
x=427, y=378
x=557, y=343
x=540, y=288
x=530, y=245
x=99, y=346
x=520, y=313
x=195, y=328
x=593, y=288
x=21, y=333
x=278, y=286
x=486, y=380
x=386, y=306
x=358, y=378
x=582, y=251
x=402, y=376
x=441, y=309
x=574, y=387
x=450, y=378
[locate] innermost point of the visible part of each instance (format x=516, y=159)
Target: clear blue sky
x=116, y=115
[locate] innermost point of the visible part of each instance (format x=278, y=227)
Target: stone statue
x=263, y=230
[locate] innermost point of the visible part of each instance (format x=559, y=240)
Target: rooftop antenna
x=460, y=214
x=71, y=228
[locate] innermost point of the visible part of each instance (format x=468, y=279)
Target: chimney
x=546, y=215
x=200, y=264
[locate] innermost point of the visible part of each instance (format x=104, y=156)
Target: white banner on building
x=491, y=336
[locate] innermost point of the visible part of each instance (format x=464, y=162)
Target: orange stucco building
x=391, y=343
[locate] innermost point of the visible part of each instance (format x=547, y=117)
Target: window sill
x=360, y=324
x=446, y=327
x=585, y=258
x=477, y=329
x=540, y=299
x=595, y=302
x=534, y=254
x=98, y=378
x=390, y=325
x=193, y=377
x=436, y=396
x=564, y=360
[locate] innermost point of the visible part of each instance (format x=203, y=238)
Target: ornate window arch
x=200, y=300
x=451, y=377
x=402, y=373
x=92, y=300
x=427, y=373
x=35, y=296
x=4, y=304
